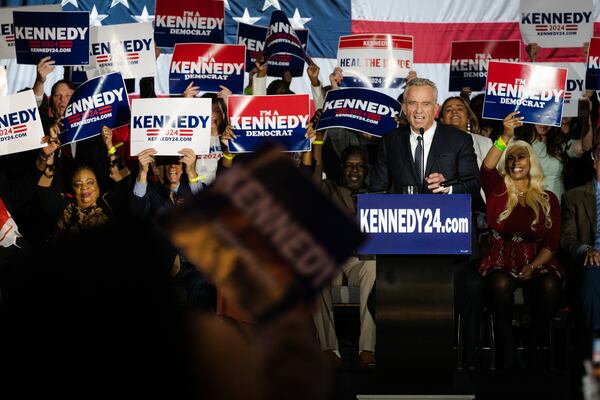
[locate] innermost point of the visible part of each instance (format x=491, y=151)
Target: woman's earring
x=469, y=127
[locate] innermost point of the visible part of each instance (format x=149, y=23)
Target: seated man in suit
x=421, y=155
x=581, y=239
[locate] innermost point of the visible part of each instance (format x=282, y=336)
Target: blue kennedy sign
x=99, y=102
x=415, y=224
x=362, y=110
x=64, y=36
x=253, y=37
x=284, y=50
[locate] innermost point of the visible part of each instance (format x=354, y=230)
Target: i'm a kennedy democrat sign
x=99, y=102
x=469, y=61
x=283, y=48
x=363, y=110
x=536, y=91
x=169, y=125
x=189, y=21
x=64, y=36
x=20, y=125
x=556, y=23
x=375, y=60
x=124, y=48
x=258, y=119
x=592, y=75
x=208, y=66
x=7, y=31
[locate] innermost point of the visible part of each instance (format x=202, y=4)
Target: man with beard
x=360, y=273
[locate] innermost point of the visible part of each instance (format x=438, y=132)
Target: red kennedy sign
x=207, y=65
x=189, y=21
x=281, y=118
x=469, y=61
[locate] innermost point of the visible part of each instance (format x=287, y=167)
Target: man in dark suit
x=581, y=239
x=424, y=154
x=150, y=199
x=448, y=152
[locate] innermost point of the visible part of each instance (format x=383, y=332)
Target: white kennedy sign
x=20, y=125
x=7, y=35
x=169, y=125
x=126, y=48
x=556, y=23
x=575, y=88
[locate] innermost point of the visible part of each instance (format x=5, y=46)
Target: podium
x=418, y=239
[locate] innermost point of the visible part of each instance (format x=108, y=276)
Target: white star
x=65, y=2
x=269, y=3
x=227, y=5
x=95, y=18
x=246, y=18
x=297, y=21
x=145, y=17
x=116, y=2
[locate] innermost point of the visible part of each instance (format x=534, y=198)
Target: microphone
x=421, y=131
x=460, y=179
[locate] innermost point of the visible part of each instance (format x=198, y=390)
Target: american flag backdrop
x=433, y=23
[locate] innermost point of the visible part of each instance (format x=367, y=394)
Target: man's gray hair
x=421, y=82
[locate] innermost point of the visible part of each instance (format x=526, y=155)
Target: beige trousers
x=360, y=273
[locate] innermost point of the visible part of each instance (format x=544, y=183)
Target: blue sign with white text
x=415, y=224
x=284, y=50
x=253, y=37
x=99, y=102
x=362, y=110
x=64, y=36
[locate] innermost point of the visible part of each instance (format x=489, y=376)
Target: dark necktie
x=419, y=158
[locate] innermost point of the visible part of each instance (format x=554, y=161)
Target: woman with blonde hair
x=525, y=223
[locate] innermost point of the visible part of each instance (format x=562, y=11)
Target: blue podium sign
x=415, y=224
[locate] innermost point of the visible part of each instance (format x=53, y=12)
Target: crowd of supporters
x=89, y=208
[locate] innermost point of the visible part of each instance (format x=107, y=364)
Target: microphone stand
x=422, y=184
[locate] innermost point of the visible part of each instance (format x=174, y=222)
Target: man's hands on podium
x=433, y=183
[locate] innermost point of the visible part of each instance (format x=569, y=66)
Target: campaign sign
x=189, y=21
x=536, y=91
x=64, y=36
x=208, y=66
x=169, y=125
x=283, y=48
x=258, y=119
x=575, y=86
x=125, y=48
x=375, y=60
x=556, y=23
x=469, y=61
x=7, y=31
x=254, y=36
x=99, y=102
x=20, y=124
x=592, y=75
x=363, y=110
x=78, y=75
x=409, y=224
x=286, y=238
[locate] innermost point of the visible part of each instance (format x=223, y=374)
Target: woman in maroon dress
x=525, y=224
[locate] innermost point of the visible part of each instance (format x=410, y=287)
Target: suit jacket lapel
x=590, y=203
x=433, y=150
x=405, y=139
